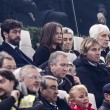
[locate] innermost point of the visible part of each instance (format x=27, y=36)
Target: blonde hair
x=87, y=43
x=74, y=90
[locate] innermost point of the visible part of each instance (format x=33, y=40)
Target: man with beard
x=11, y=98
x=29, y=79
x=10, y=31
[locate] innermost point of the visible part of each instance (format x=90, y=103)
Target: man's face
x=60, y=69
x=32, y=80
x=67, y=42
x=50, y=93
x=93, y=54
x=104, y=39
x=6, y=86
x=13, y=37
x=9, y=64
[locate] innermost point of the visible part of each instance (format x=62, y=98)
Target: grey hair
x=96, y=29
x=67, y=30
x=53, y=57
x=43, y=81
x=23, y=70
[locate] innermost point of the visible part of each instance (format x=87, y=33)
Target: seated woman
x=68, y=42
x=78, y=99
x=50, y=41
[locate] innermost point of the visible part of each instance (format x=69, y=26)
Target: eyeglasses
x=34, y=77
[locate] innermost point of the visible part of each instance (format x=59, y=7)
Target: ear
x=42, y=91
x=52, y=66
x=22, y=79
x=5, y=34
x=13, y=83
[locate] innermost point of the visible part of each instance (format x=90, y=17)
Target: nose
x=107, y=38
x=56, y=91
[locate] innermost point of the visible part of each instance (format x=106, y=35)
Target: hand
x=76, y=80
x=15, y=94
x=101, y=18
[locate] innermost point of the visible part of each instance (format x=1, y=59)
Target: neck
x=54, y=46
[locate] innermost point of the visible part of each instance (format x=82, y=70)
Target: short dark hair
x=9, y=24
x=9, y=76
x=106, y=88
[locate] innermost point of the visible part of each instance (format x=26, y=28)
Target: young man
x=101, y=32
x=91, y=73
x=10, y=31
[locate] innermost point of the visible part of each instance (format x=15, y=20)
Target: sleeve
x=89, y=82
x=41, y=55
x=7, y=103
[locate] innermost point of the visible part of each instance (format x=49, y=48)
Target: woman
x=51, y=40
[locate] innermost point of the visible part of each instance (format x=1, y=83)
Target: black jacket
x=94, y=77
x=20, y=60
x=42, y=54
x=67, y=83
x=105, y=106
x=61, y=104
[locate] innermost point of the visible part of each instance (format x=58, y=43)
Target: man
x=12, y=99
x=7, y=61
x=58, y=67
x=91, y=73
x=10, y=31
x=29, y=79
x=101, y=32
x=48, y=94
x=106, y=102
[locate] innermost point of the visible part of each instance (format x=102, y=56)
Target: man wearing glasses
x=29, y=79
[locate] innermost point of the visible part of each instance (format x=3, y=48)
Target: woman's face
x=81, y=99
x=58, y=36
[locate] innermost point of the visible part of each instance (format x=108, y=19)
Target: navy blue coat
x=94, y=77
x=20, y=59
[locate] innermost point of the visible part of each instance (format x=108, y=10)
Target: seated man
x=106, y=102
x=29, y=79
x=9, y=95
x=101, y=32
x=48, y=94
x=91, y=73
x=7, y=61
x=10, y=31
x=58, y=67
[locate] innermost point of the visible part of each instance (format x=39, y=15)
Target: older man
x=58, y=67
x=29, y=78
x=48, y=94
x=101, y=32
